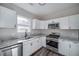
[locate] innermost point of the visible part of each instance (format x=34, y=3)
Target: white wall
x=9, y=33
x=6, y=33
x=19, y=10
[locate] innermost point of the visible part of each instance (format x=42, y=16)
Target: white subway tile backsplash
x=68, y=33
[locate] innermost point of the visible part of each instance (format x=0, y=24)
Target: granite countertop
x=75, y=40
x=18, y=40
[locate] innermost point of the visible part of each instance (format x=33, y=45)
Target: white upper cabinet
x=69, y=22
x=38, y=24
x=43, y=25
x=35, y=24
x=74, y=21
x=63, y=23
x=7, y=18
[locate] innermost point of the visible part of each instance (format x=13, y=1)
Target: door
x=74, y=21
x=64, y=23
x=27, y=46
x=43, y=25
x=34, y=45
x=43, y=41
x=7, y=18
x=39, y=42
x=63, y=47
x=74, y=49
x=35, y=24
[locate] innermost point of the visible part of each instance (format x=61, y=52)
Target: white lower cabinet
x=63, y=47
x=68, y=48
x=43, y=41
x=32, y=45
x=27, y=45
x=74, y=51
x=35, y=45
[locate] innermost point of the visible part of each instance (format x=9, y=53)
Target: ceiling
x=50, y=10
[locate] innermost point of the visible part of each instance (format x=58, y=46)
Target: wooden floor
x=45, y=52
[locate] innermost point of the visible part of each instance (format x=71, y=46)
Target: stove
x=52, y=41
x=53, y=35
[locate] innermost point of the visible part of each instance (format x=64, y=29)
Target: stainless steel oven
x=53, y=44
x=13, y=50
x=52, y=41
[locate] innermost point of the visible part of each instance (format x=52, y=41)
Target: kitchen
x=26, y=30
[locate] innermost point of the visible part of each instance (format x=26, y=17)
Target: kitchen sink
x=29, y=37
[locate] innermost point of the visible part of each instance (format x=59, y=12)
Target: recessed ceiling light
x=41, y=4
x=31, y=3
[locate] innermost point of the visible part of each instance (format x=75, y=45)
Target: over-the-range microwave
x=53, y=26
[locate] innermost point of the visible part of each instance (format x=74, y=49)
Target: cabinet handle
x=70, y=46
x=31, y=44
x=69, y=27
x=37, y=40
x=14, y=25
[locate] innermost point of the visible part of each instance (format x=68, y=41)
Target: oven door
x=53, y=44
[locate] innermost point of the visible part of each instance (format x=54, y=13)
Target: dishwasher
x=13, y=50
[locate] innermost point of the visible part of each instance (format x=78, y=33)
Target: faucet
x=25, y=35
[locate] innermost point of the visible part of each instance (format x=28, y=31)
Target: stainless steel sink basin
x=29, y=37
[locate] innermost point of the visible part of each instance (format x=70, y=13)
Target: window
x=23, y=24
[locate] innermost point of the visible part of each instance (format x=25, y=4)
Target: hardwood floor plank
x=45, y=52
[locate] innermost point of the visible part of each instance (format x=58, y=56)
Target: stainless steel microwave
x=53, y=26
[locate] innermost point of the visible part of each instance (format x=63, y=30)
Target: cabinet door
x=27, y=48
x=39, y=42
x=35, y=24
x=63, y=22
x=74, y=50
x=43, y=41
x=14, y=52
x=7, y=18
x=34, y=45
x=43, y=25
x=63, y=47
x=74, y=21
